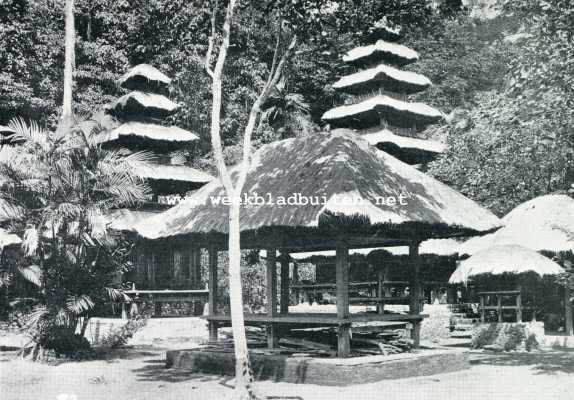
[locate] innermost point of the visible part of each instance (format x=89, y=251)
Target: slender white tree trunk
x=243, y=377
x=69, y=61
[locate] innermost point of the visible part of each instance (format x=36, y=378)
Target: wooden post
x=415, y=304
x=284, y=304
x=380, y=290
x=499, y=307
x=342, y=276
x=212, y=284
x=482, y=310
x=271, y=291
x=569, y=324
x=519, y=305
x=296, y=292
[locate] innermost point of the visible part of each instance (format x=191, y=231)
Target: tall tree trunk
x=69, y=61
x=243, y=377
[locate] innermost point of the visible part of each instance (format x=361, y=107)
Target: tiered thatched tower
x=377, y=105
x=141, y=113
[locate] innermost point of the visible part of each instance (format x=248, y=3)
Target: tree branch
x=207, y=62
x=216, y=89
x=256, y=110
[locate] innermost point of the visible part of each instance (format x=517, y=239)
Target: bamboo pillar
x=519, y=305
x=415, y=303
x=212, y=284
x=380, y=290
x=569, y=328
x=296, y=292
x=342, y=276
x=284, y=304
x=499, y=307
x=271, y=291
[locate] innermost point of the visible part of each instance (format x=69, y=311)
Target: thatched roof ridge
x=340, y=168
x=137, y=102
x=382, y=29
x=503, y=259
x=542, y=223
x=369, y=113
x=144, y=72
x=386, y=136
x=381, y=50
x=390, y=78
x=180, y=173
x=148, y=131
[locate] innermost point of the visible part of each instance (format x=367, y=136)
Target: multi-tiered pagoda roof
x=377, y=104
x=141, y=113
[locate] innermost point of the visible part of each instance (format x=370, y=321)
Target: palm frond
x=30, y=241
x=29, y=132
x=116, y=294
x=79, y=304
x=32, y=273
x=34, y=319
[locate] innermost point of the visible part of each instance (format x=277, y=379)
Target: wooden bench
x=159, y=298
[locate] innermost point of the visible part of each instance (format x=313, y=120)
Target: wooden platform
x=318, y=319
x=324, y=371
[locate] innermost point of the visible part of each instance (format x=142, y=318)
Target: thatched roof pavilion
x=543, y=223
x=357, y=197
x=335, y=168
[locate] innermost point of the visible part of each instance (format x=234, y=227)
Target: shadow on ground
x=545, y=362
x=155, y=371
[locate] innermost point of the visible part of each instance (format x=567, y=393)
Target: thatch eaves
x=142, y=104
x=148, y=131
x=8, y=239
x=386, y=77
x=382, y=50
x=142, y=76
x=180, y=173
x=504, y=259
x=370, y=112
x=350, y=176
x=415, y=150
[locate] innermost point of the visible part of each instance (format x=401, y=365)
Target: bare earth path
x=139, y=373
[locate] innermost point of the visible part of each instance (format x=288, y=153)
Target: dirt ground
x=139, y=373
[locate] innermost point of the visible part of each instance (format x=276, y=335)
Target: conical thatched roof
x=392, y=53
x=347, y=177
x=384, y=76
x=143, y=104
x=543, y=223
x=370, y=112
x=148, y=131
x=141, y=75
x=499, y=260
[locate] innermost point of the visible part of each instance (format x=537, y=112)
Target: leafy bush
x=119, y=336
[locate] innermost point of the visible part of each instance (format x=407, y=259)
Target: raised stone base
x=324, y=371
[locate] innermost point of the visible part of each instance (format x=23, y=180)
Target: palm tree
x=56, y=188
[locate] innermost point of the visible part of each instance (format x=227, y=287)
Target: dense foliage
x=57, y=188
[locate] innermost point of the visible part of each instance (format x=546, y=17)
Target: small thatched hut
x=509, y=269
